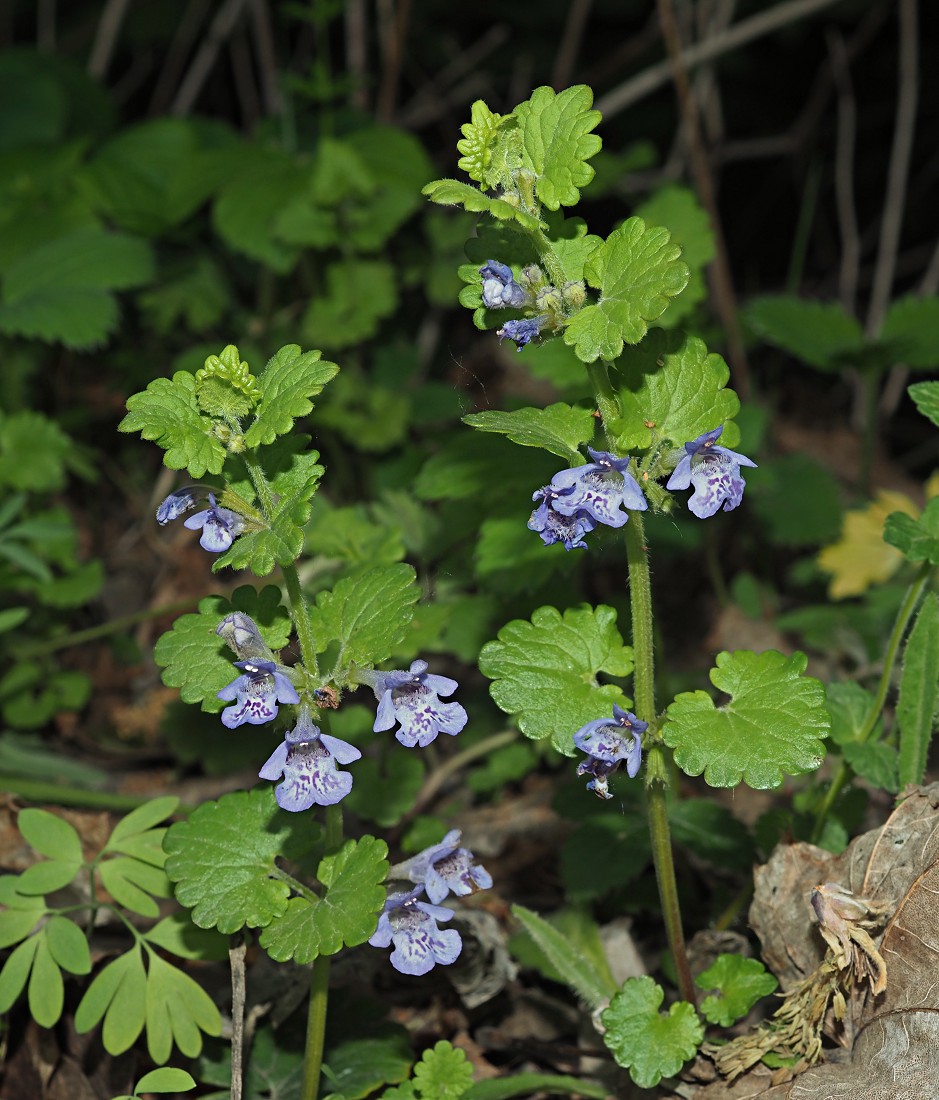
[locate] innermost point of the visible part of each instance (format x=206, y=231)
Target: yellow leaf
x=861, y=558
x=932, y=485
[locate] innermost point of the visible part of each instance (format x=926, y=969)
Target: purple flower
x=553, y=526
x=608, y=744
x=411, y=699
x=412, y=926
x=522, y=332
x=715, y=473
x=600, y=488
x=307, y=760
x=219, y=526
x=500, y=288
x=179, y=502
x=446, y=868
x=257, y=691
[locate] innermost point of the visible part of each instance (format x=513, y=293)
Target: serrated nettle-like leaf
x=557, y=142
x=649, y=1043
x=911, y=328
x=222, y=859
x=739, y=982
x=926, y=397
x=848, y=704
x=346, y=915
x=916, y=539
x=168, y=413
x=559, y=428
x=291, y=378
x=672, y=383
x=280, y=543
x=919, y=692
x=545, y=671
x=772, y=726
x=874, y=761
x=367, y=614
x=193, y=657
x=637, y=271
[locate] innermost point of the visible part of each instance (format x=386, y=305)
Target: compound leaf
x=772, y=726
x=118, y=995
x=46, y=992
x=67, y=945
x=178, y=1010
x=546, y=670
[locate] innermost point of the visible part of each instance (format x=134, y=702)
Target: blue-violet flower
x=446, y=868
x=713, y=471
x=411, y=699
x=412, y=926
x=241, y=634
x=307, y=760
x=609, y=743
x=524, y=331
x=600, y=488
x=257, y=691
x=500, y=288
x=554, y=527
x=220, y=526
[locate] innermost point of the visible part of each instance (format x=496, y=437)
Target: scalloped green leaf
x=918, y=702
x=359, y=293
x=222, y=858
x=193, y=657
x=168, y=413
x=282, y=541
x=291, y=378
x=926, y=396
x=649, y=1043
x=347, y=914
x=443, y=1072
x=674, y=384
x=557, y=142
x=118, y=995
x=479, y=136
x=178, y=1010
x=819, y=333
x=367, y=614
x=772, y=726
x=739, y=983
x=874, y=761
x=848, y=704
x=559, y=428
x=638, y=271
x=917, y=539
x=545, y=671
x=912, y=328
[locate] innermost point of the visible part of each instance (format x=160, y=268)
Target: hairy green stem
x=657, y=757
x=603, y=392
x=843, y=774
x=300, y=614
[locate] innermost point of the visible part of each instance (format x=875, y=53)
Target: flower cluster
x=411, y=698
x=410, y=923
x=713, y=471
x=609, y=743
x=220, y=526
x=581, y=497
x=546, y=306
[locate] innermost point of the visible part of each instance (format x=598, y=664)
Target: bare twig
x=357, y=52
x=109, y=26
x=393, y=50
x=908, y=65
x=569, y=47
x=722, y=285
x=221, y=27
x=746, y=31
x=245, y=88
x=844, y=175
x=236, y=959
x=186, y=33
x=266, y=57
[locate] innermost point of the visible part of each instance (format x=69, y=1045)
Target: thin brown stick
x=266, y=57
x=245, y=88
x=746, y=31
x=109, y=26
x=908, y=64
x=391, y=70
x=357, y=52
x=236, y=959
x=204, y=61
x=186, y=33
x=571, y=38
x=721, y=282
x=844, y=175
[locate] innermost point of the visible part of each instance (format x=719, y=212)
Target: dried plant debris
x=854, y=941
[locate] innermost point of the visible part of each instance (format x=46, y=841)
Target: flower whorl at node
x=713, y=471
x=220, y=526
